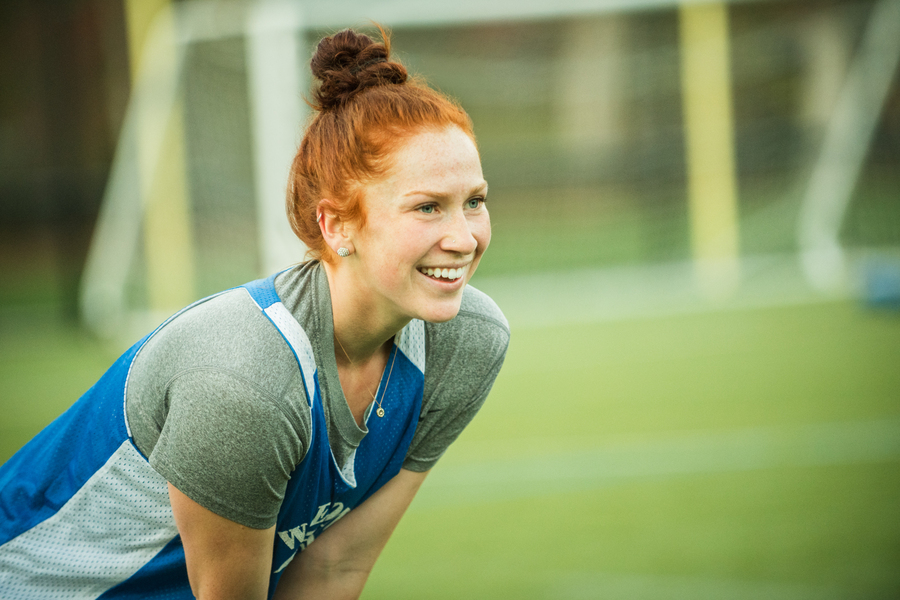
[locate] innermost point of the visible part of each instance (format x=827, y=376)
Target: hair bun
x=347, y=63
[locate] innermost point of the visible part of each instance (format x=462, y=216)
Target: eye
x=427, y=209
x=474, y=202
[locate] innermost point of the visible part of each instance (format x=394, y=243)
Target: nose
x=458, y=237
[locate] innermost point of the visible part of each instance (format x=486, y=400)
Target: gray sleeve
x=474, y=344
x=227, y=446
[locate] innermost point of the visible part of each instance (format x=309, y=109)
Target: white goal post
x=276, y=82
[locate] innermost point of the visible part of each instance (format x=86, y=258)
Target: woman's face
x=426, y=228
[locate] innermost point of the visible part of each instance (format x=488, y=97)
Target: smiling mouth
x=445, y=274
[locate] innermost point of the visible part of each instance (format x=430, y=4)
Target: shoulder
x=227, y=330
x=225, y=338
x=479, y=334
x=215, y=401
x=463, y=358
x=479, y=306
x=479, y=318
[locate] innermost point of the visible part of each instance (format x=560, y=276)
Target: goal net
x=613, y=134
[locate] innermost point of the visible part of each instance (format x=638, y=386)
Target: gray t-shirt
x=216, y=402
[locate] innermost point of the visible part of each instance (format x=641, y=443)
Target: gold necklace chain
x=379, y=411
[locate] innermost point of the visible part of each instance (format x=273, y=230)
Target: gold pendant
x=380, y=412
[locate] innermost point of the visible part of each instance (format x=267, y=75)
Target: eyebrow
x=480, y=188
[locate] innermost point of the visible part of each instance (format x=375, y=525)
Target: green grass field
x=749, y=454
x=744, y=454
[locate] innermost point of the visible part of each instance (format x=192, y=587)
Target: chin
x=442, y=313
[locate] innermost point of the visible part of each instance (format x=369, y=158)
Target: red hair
x=367, y=107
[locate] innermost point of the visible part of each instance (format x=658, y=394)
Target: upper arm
x=224, y=559
x=228, y=444
x=337, y=564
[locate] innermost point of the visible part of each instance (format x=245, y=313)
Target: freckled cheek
x=408, y=253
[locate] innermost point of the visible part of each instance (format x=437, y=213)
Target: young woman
x=265, y=442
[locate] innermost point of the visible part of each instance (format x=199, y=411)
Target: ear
x=336, y=233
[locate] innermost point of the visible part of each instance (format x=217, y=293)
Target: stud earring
x=343, y=252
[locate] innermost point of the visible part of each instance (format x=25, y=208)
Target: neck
x=362, y=332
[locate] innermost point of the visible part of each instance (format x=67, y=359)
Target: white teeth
x=444, y=273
